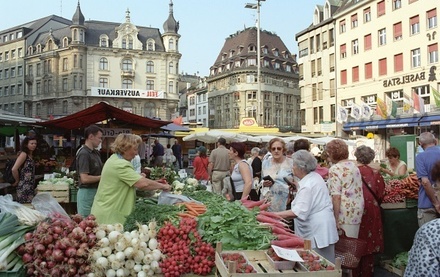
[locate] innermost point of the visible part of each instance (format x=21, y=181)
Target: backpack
x=8, y=177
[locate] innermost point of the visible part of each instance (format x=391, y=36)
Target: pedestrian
x=142, y=150
x=177, y=152
x=168, y=157
x=345, y=186
x=116, y=193
x=25, y=178
x=254, y=154
x=428, y=204
x=200, y=165
x=371, y=228
x=312, y=207
x=88, y=167
x=219, y=165
x=158, y=152
x=241, y=176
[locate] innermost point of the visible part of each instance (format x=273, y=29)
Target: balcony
x=128, y=73
x=29, y=78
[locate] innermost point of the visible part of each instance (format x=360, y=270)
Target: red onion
x=70, y=252
x=55, y=272
x=81, y=252
x=58, y=255
x=28, y=236
x=91, y=217
x=71, y=261
x=21, y=250
x=51, y=264
x=29, y=248
x=27, y=258
x=40, y=248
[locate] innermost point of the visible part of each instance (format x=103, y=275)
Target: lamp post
x=259, y=111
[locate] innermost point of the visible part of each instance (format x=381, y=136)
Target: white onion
x=111, y=258
x=143, y=245
x=126, y=272
x=110, y=273
x=152, y=233
x=152, y=225
x=119, y=227
x=134, y=234
x=128, y=252
x=102, y=262
x=144, y=229
x=146, y=267
x=138, y=256
x=141, y=274
x=100, y=233
x=152, y=244
x=106, y=251
x=150, y=272
x=91, y=274
x=116, y=265
x=148, y=258
x=144, y=236
x=135, y=242
x=120, y=272
x=104, y=242
x=109, y=228
x=96, y=254
x=154, y=265
x=113, y=236
x=137, y=267
x=120, y=256
x=120, y=245
x=129, y=264
x=156, y=254
x=127, y=237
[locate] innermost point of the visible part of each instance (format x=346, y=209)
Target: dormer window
x=265, y=52
x=252, y=48
x=49, y=45
x=276, y=53
x=30, y=50
x=240, y=48
x=103, y=41
x=277, y=65
x=231, y=53
x=39, y=48
x=65, y=42
x=150, y=45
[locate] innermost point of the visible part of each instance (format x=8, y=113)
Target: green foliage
x=164, y=172
x=400, y=260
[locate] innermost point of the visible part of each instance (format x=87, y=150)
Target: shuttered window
x=343, y=77
x=397, y=31
x=355, y=74
x=398, y=62
x=382, y=67
x=367, y=42
x=368, y=70
x=380, y=8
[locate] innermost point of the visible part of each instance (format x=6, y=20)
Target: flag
x=407, y=104
x=381, y=108
x=436, y=95
x=365, y=111
x=419, y=103
x=356, y=111
x=178, y=120
x=391, y=107
x=342, y=115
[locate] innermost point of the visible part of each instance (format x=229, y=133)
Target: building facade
x=382, y=72
x=235, y=91
x=68, y=65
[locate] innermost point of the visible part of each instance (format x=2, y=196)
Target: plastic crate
x=19, y=273
x=73, y=192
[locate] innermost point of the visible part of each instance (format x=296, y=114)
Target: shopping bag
x=350, y=250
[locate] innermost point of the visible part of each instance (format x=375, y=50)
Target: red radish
x=271, y=214
x=281, y=231
x=284, y=237
x=265, y=219
x=293, y=243
x=264, y=206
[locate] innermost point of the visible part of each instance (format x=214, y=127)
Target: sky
x=204, y=24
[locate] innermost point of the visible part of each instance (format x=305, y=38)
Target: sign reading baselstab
x=126, y=93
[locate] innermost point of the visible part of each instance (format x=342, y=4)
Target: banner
x=365, y=111
x=391, y=107
x=436, y=95
x=381, y=108
x=342, y=115
x=408, y=104
x=419, y=103
x=356, y=111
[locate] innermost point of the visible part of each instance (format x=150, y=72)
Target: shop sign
x=114, y=132
x=410, y=78
x=126, y=93
x=247, y=122
x=402, y=125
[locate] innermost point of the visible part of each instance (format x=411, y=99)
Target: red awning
x=101, y=112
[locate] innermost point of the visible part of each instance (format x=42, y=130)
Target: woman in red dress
x=371, y=229
x=200, y=165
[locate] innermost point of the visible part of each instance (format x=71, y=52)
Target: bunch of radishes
x=119, y=253
x=59, y=246
x=184, y=249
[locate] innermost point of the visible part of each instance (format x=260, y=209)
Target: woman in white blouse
x=312, y=207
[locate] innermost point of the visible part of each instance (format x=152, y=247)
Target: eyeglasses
x=276, y=149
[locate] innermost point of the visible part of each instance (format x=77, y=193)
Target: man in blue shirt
x=428, y=204
x=158, y=152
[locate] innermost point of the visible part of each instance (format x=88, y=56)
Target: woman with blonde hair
x=116, y=194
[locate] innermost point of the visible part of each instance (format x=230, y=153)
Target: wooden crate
x=59, y=192
x=393, y=206
x=258, y=260
x=386, y=264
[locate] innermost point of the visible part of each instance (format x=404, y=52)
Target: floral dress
x=278, y=192
x=345, y=180
x=26, y=185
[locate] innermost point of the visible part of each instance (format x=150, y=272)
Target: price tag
x=287, y=254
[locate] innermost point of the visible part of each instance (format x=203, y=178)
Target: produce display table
x=400, y=227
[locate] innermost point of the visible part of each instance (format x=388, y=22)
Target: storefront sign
x=410, y=78
x=114, y=132
x=247, y=122
x=126, y=93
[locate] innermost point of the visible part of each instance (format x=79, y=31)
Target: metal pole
x=259, y=108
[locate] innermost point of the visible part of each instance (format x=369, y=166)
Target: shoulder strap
x=371, y=191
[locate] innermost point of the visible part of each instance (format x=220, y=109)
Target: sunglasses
x=276, y=149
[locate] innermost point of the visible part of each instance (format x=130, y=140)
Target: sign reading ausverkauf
x=126, y=93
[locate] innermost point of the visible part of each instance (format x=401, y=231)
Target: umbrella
x=212, y=136
x=159, y=135
x=294, y=138
x=325, y=140
x=260, y=139
x=172, y=127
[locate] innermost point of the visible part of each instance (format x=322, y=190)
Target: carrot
x=185, y=215
x=271, y=214
x=193, y=213
x=264, y=206
x=294, y=242
x=190, y=208
x=267, y=219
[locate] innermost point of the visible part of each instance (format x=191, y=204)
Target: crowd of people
x=324, y=202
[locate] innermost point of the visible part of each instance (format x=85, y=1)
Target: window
x=1, y=74
x=415, y=25
x=6, y=73
x=150, y=67
x=343, y=50
x=65, y=86
x=130, y=42
x=75, y=61
x=382, y=36
x=65, y=42
x=127, y=64
x=20, y=71
x=342, y=27
x=1, y=56
x=12, y=90
x=20, y=52
x=12, y=54
x=65, y=106
x=433, y=53
x=277, y=65
x=382, y=67
x=367, y=42
x=103, y=41
x=6, y=91
x=171, y=44
x=6, y=56
x=127, y=84
x=354, y=21
x=276, y=52
x=381, y=8
x=343, y=77
x=12, y=72
x=150, y=45
x=416, y=58
x=20, y=89
x=170, y=87
x=397, y=29
x=251, y=62
x=103, y=82
x=355, y=74
x=355, y=46
x=150, y=84
x=75, y=80
x=170, y=67
x=432, y=18
x=397, y=4
x=398, y=62
x=38, y=88
x=65, y=65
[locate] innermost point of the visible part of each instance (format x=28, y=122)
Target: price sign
x=114, y=132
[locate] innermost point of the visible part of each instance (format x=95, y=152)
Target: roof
x=100, y=112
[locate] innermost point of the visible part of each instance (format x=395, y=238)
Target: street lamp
x=259, y=111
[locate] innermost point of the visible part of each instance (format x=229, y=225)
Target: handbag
x=350, y=250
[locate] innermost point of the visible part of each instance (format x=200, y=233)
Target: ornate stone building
x=62, y=66
x=233, y=91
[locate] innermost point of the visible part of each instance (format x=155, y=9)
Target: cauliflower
x=192, y=181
